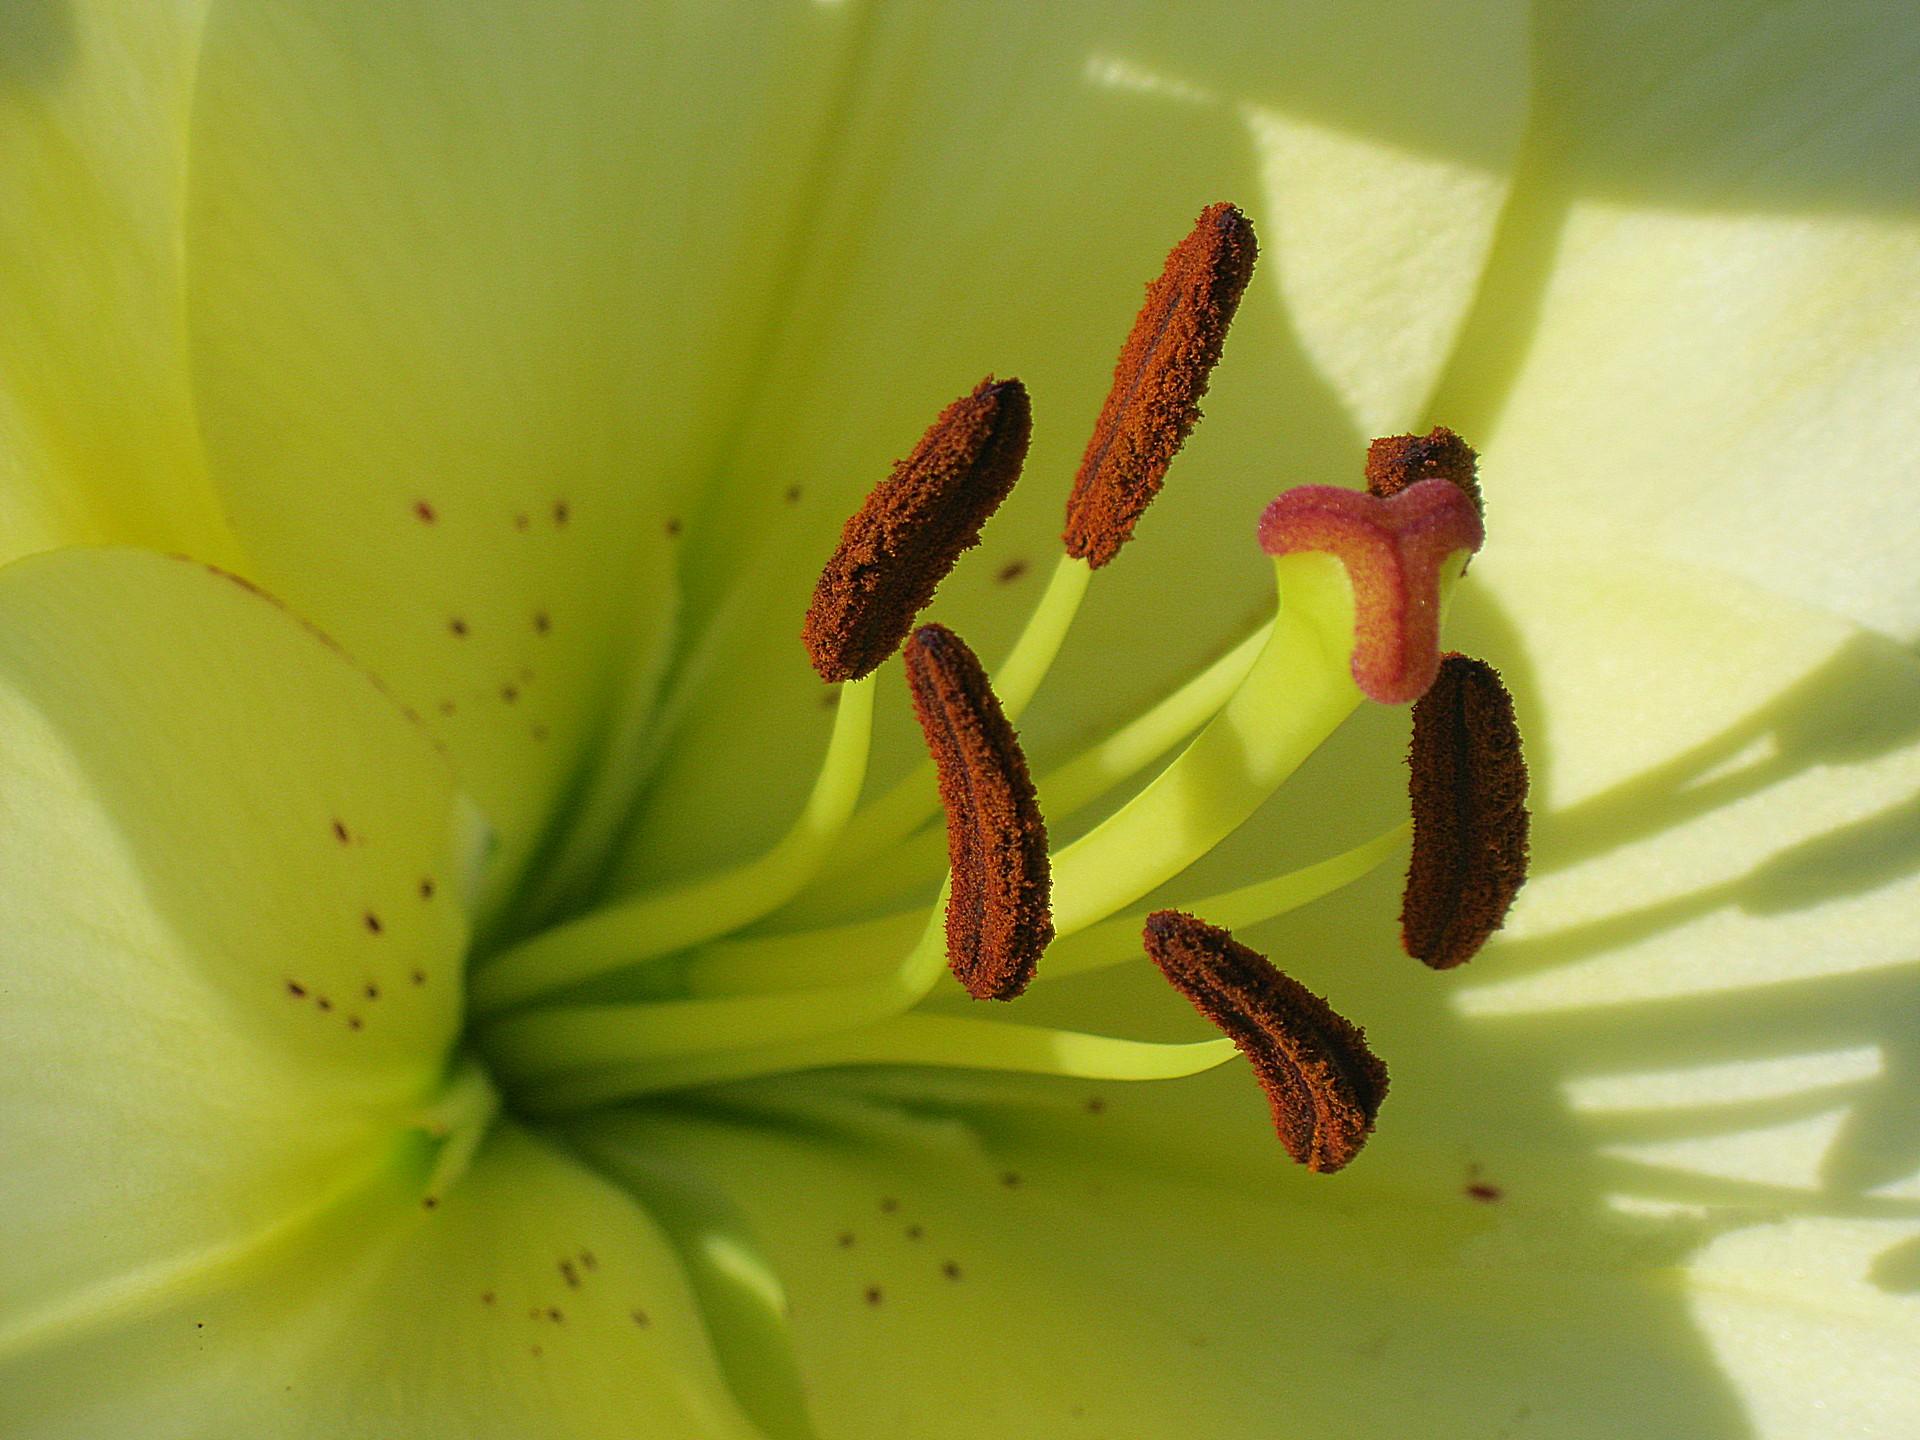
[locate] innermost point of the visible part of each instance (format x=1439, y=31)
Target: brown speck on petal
x=1468, y=791
x=1324, y=1084
x=999, y=916
x=905, y=539
x=424, y=512
x=1162, y=373
x=1396, y=461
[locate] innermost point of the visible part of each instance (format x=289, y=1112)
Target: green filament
x=1300, y=688
x=882, y=825
x=948, y=1042
x=670, y=920
x=1117, y=940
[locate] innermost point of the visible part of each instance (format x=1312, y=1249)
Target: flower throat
x=746, y=974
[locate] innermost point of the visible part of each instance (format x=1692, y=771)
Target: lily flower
x=471, y=969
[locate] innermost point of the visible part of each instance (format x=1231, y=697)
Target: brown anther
x=999, y=919
x=1468, y=789
x=1396, y=461
x=1324, y=1084
x=1157, y=384
x=904, y=540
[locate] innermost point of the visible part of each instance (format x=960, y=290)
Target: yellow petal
x=1700, y=333
x=227, y=989
x=96, y=426
x=472, y=309
x=537, y=1300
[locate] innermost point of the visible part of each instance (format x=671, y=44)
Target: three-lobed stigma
x=1397, y=551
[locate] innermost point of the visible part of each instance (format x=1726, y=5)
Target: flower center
x=745, y=973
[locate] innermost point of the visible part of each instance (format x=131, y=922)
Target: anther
x=902, y=543
x=1468, y=789
x=1324, y=1084
x=1157, y=384
x=1393, y=550
x=1396, y=461
x=998, y=911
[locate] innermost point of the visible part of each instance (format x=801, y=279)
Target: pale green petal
x=204, y=815
x=536, y=1301
x=1009, y=178
x=480, y=259
x=96, y=429
x=1701, y=333
x=1028, y=1269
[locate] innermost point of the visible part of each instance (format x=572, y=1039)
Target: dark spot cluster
x=576, y=1272
x=322, y=1003
x=912, y=1234
x=539, y=620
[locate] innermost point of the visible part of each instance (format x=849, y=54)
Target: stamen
x=929, y=1041
x=1393, y=550
x=901, y=544
x=1157, y=384
x=1116, y=941
x=916, y=857
x=1469, y=799
x=998, y=916
x=1395, y=462
x=1323, y=1082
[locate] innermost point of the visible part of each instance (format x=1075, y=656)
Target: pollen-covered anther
x=1324, y=1084
x=904, y=540
x=1393, y=550
x=1395, y=462
x=999, y=918
x=1157, y=384
x=1468, y=787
